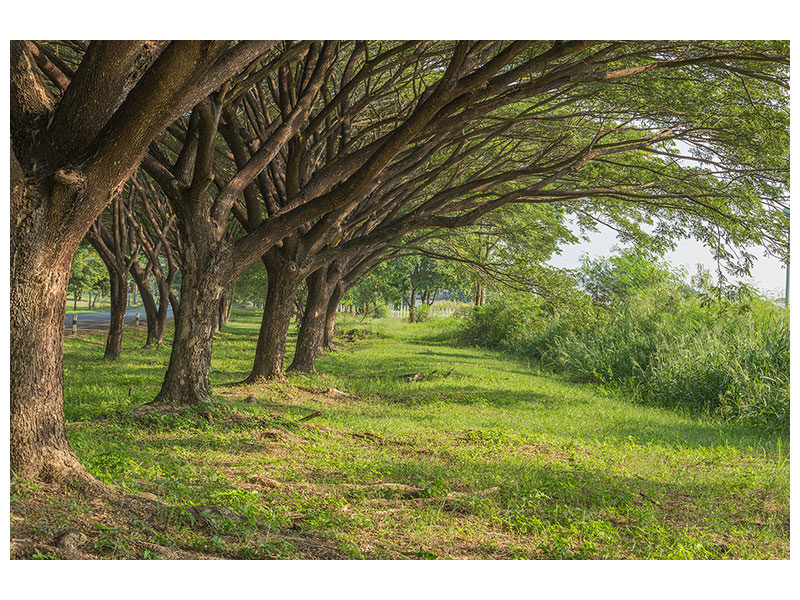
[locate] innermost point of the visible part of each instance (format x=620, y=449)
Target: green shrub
x=664, y=343
x=421, y=313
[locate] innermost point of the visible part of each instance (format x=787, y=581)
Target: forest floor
x=401, y=447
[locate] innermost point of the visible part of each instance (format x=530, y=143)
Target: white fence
x=434, y=312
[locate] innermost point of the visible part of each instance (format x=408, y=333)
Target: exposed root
x=160, y=407
x=65, y=470
x=262, y=379
x=300, y=370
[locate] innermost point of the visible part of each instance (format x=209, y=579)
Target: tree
x=154, y=223
x=78, y=131
x=117, y=244
x=87, y=274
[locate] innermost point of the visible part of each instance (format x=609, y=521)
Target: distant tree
x=87, y=274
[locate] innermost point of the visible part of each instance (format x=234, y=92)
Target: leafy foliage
x=88, y=273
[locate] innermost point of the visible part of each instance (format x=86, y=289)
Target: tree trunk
x=480, y=295
x=156, y=314
x=330, y=316
x=223, y=310
x=311, y=336
x=186, y=380
x=271, y=346
x=40, y=266
x=411, y=301
x=119, y=297
x=174, y=303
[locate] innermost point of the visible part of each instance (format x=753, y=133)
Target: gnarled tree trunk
x=271, y=345
x=40, y=265
x=186, y=380
x=311, y=339
x=311, y=336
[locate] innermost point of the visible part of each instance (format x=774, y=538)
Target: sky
x=768, y=273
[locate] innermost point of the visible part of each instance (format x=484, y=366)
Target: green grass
x=503, y=462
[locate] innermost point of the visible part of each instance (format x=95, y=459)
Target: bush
x=421, y=313
x=381, y=311
x=665, y=344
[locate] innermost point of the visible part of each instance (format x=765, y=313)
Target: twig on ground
x=313, y=415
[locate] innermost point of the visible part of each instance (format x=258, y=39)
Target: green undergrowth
x=478, y=456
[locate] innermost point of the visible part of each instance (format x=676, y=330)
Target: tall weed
x=663, y=343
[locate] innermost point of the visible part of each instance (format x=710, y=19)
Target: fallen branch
x=651, y=500
x=368, y=436
x=313, y=415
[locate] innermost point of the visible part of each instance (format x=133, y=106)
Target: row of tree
x=321, y=159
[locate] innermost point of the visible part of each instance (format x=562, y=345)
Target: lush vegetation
x=479, y=457
x=639, y=327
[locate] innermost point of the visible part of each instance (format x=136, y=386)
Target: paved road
x=101, y=320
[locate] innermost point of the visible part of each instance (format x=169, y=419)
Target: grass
x=480, y=457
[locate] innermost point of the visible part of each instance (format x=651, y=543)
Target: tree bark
x=330, y=315
x=40, y=267
x=186, y=380
x=311, y=337
x=119, y=304
x=223, y=310
x=174, y=303
x=271, y=346
x=156, y=313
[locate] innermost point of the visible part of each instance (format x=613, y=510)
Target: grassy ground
x=478, y=457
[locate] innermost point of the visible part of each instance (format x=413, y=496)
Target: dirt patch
x=283, y=394
x=52, y=522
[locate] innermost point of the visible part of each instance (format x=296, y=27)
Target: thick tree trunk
x=186, y=380
x=40, y=268
x=311, y=337
x=271, y=346
x=119, y=304
x=330, y=316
